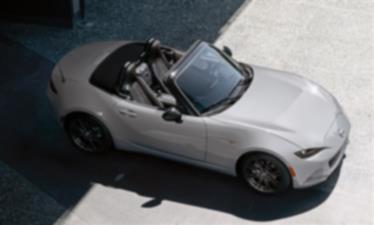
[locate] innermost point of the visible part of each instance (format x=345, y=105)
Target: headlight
x=306, y=153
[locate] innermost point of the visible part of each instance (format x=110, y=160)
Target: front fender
x=226, y=143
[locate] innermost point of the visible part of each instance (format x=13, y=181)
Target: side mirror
x=172, y=114
x=227, y=51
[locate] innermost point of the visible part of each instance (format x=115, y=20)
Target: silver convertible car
x=273, y=129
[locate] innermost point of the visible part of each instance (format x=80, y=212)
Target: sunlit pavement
x=332, y=43
x=328, y=41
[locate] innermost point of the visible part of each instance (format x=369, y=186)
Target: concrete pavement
x=332, y=43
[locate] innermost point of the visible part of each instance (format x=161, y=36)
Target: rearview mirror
x=172, y=114
x=227, y=51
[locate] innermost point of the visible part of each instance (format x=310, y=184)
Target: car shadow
x=161, y=179
x=67, y=175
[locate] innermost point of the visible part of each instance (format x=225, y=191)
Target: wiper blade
x=226, y=101
x=248, y=71
x=245, y=81
x=229, y=101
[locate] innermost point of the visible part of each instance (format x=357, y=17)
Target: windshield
x=208, y=79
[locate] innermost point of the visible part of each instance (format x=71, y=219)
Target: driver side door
x=145, y=130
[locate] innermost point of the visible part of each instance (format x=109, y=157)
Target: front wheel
x=88, y=134
x=265, y=174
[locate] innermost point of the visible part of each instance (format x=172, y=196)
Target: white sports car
x=273, y=129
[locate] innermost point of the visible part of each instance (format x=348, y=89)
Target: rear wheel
x=265, y=174
x=88, y=134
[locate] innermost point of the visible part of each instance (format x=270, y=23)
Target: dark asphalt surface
x=175, y=22
x=22, y=203
x=33, y=144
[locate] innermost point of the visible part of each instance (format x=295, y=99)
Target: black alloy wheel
x=88, y=134
x=265, y=174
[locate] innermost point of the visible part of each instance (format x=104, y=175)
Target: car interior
x=144, y=80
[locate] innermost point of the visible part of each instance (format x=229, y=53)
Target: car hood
x=79, y=63
x=286, y=105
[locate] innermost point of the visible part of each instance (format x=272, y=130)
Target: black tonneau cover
x=107, y=73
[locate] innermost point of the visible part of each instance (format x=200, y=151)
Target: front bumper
x=318, y=168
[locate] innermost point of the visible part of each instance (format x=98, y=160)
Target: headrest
x=130, y=68
x=153, y=46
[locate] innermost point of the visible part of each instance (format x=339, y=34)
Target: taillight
x=52, y=86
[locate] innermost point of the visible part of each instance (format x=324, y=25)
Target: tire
x=265, y=174
x=88, y=134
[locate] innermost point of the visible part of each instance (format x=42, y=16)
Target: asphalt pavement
x=175, y=22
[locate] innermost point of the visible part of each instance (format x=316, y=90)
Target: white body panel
x=142, y=127
x=279, y=114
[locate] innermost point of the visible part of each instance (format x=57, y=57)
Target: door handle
x=127, y=112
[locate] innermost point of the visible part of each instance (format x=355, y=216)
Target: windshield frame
x=183, y=63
